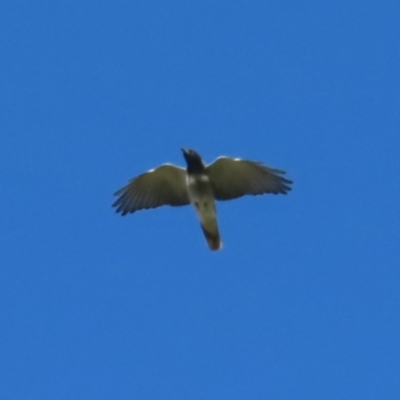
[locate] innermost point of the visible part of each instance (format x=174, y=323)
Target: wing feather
x=165, y=185
x=233, y=177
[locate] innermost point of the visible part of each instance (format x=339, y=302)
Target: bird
x=200, y=185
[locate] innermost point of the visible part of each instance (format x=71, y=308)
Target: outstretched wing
x=165, y=185
x=234, y=177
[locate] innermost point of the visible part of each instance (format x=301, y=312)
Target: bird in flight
x=200, y=185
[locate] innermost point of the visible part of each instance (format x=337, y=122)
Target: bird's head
x=193, y=160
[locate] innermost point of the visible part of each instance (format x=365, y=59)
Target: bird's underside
x=225, y=179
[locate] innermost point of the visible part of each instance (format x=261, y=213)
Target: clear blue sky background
x=302, y=303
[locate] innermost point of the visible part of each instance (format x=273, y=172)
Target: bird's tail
x=212, y=236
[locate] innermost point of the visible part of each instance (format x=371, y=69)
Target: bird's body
x=200, y=185
x=201, y=196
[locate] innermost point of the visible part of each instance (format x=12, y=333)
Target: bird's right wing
x=165, y=185
x=234, y=177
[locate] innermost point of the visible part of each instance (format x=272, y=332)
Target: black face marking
x=194, y=162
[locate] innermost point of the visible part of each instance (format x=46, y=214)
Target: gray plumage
x=161, y=186
x=233, y=177
x=225, y=179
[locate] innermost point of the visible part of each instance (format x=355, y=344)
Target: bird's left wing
x=234, y=177
x=165, y=185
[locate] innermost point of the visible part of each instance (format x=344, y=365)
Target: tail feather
x=213, y=238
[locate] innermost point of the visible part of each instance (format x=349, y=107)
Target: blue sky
x=302, y=303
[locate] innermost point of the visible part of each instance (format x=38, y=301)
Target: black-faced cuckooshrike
x=225, y=179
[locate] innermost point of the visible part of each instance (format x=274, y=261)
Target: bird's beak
x=184, y=151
